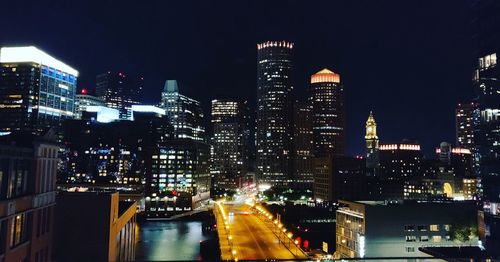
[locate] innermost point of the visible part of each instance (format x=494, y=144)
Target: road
x=251, y=238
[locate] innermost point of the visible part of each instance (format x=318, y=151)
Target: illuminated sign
x=104, y=114
x=32, y=54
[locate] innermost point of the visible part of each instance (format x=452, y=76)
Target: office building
x=398, y=163
x=94, y=226
x=372, y=143
x=119, y=91
x=303, y=145
x=465, y=119
x=327, y=97
x=274, y=112
x=229, y=165
x=177, y=177
x=339, y=177
x=37, y=91
x=84, y=100
x=27, y=195
x=185, y=114
x=377, y=229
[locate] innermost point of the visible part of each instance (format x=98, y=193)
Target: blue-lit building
x=36, y=90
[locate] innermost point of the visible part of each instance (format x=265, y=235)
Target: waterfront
x=169, y=240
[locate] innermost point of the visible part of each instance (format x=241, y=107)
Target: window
x=436, y=238
x=411, y=238
x=424, y=238
x=410, y=249
x=447, y=227
x=19, y=230
x=421, y=228
x=409, y=228
x=434, y=228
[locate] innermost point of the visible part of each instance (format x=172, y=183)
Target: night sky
x=408, y=61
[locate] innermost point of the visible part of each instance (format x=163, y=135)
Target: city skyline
x=378, y=72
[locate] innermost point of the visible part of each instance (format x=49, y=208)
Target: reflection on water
x=167, y=240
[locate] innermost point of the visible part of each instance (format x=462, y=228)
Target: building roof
x=171, y=86
x=32, y=54
x=325, y=76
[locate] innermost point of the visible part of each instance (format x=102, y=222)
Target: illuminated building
x=111, y=152
x=94, y=226
x=83, y=100
x=372, y=158
x=185, y=114
x=465, y=116
x=327, y=97
x=27, y=196
x=274, y=112
x=303, y=145
x=177, y=177
x=36, y=90
x=339, y=177
x=119, y=91
x=230, y=143
x=398, y=163
x=378, y=229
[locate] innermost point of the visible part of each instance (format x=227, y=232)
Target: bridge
x=248, y=232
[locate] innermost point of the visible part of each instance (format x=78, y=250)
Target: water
x=169, y=240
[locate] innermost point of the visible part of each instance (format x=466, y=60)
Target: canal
x=169, y=240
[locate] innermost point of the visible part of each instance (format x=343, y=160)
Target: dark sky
x=408, y=61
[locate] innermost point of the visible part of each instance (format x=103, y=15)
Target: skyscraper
x=185, y=114
x=230, y=144
x=274, y=112
x=327, y=96
x=303, y=146
x=119, y=91
x=372, y=159
x=465, y=119
x=36, y=90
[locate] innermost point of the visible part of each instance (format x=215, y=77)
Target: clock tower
x=371, y=142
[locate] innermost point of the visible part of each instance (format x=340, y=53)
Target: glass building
x=327, y=96
x=36, y=90
x=185, y=114
x=119, y=91
x=274, y=112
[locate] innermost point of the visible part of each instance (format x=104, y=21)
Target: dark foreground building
x=94, y=226
x=28, y=166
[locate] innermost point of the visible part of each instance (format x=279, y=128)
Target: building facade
x=27, y=196
x=119, y=91
x=327, y=98
x=465, y=119
x=84, y=100
x=177, y=178
x=230, y=156
x=274, y=112
x=95, y=226
x=185, y=114
x=303, y=145
x=377, y=229
x=37, y=91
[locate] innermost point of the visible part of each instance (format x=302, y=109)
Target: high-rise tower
x=327, y=97
x=274, y=112
x=185, y=114
x=36, y=90
x=372, y=160
x=119, y=91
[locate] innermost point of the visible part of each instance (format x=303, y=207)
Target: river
x=169, y=240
